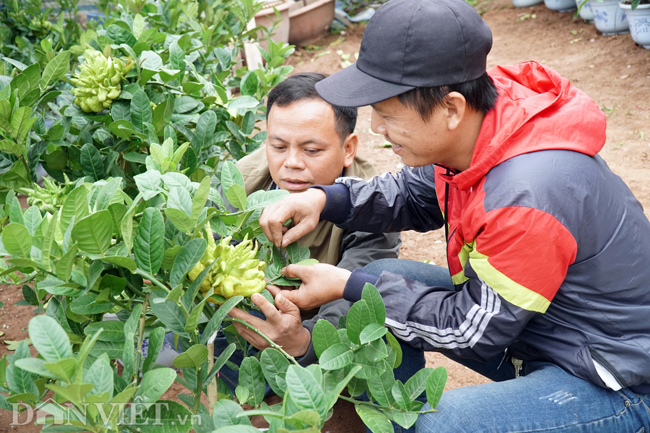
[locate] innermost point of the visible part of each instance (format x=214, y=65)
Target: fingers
x=242, y=315
x=272, y=220
x=265, y=307
x=298, y=231
x=296, y=271
x=273, y=289
x=286, y=306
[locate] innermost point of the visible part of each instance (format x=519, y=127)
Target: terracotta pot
x=266, y=17
x=310, y=23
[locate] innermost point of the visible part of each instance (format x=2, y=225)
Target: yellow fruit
x=236, y=272
x=98, y=83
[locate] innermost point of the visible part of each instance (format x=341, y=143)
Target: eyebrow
x=311, y=141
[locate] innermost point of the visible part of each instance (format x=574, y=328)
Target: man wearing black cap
x=548, y=286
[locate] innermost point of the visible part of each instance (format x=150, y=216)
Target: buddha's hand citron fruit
x=236, y=271
x=98, y=83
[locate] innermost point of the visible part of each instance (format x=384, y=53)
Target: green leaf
x=381, y=387
x=194, y=357
x=297, y=253
x=375, y=304
x=34, y=365
x=186, y=259
x=149, y=243
x=274, y=365
x=324, y=335
x=148, y=183
x=18, y=380
x=176, y=56
x=180, y=199
x=252, y=378
x=156, y=340
x=154, y=384
x=113, y=330
x=194, y=317
x=141, y=111
x=55, y=68
x=64, y=265
x=405, y=419
x=336, y=356
x=375, y=351
x=436, y=385
x=401, y=396
x=63, y=369
x=169, y=314
x=165, y=417
x=124, y=262
x=106, y=193
x=11, y=146
x=237, y=196
x=417, y=383
x=21, y=123
x=75, y=205
x=372, y=332
x=261, y=199
x=200, y=198
x=374, y=419
x=243, y=102
x=17, y=240
x=215, y=322
x=100, y=375
x=358, y=319
x=180, y=219
x=230, y=175
x=237, y=429
x=220, y=362
x=49, y=338
x=48, y=239
x=88, y=304
x=32, y=219
x=226, y=413
x=91, y=161
x=93, y=234
x=204, y=131
x=305, y=391
x=73, y=392
x=394, y=344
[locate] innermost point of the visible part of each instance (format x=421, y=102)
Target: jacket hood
x=536, y=109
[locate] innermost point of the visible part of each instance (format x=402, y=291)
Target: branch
x=267, y=339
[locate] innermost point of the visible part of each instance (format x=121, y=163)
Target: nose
x=377, y=124
x=294, y=159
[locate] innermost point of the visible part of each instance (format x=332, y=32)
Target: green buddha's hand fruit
x=98, y=83
x=237, y=271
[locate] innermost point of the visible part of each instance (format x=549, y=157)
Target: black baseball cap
x=409, y=44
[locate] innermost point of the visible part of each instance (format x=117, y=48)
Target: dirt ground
x=612, y=70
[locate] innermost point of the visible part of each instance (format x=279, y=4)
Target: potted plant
x=310, y=22
x=560, y=5
x=638, y=15
x=608, y=17
x=584, y=10
x=526, y=3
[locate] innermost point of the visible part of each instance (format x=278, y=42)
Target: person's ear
x=456, y=106
x=350, y=148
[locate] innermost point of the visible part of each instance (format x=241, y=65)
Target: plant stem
x=141, y=333
x=267, y=339
x=151, y=278
x=199, y=390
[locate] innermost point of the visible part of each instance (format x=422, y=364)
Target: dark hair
x=302, y=86
x=480, y=94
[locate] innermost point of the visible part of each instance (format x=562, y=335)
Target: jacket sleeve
x=357, y=250
x=386, y=203
x=507, y=285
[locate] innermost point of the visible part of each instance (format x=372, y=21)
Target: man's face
x=303, y=147
x=416, y=141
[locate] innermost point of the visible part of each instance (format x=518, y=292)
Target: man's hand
x=282, y=325
x=321, y=284
x=303, y=209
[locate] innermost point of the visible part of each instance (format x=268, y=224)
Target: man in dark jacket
x=548, y=290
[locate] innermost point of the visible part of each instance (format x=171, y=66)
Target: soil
x=612, y=70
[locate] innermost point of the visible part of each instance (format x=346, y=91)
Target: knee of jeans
x=378, y=266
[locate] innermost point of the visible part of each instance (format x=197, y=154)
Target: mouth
x=396, y=147
x=295, y=184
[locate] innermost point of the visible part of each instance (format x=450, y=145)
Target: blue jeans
x=544, y=398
